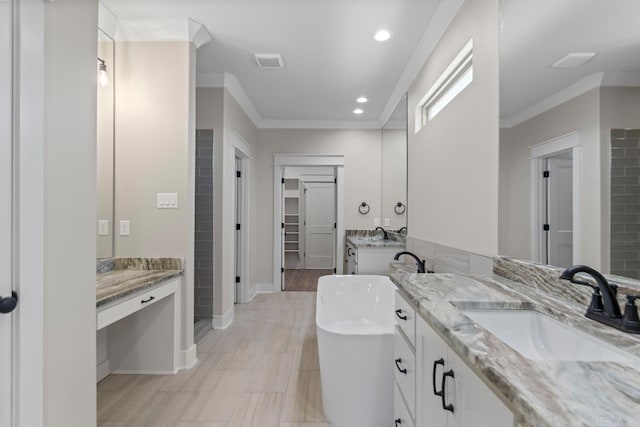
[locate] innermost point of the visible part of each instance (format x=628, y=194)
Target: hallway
x=263, y=371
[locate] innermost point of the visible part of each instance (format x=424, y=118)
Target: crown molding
x=446, y=11
x=233, y=86
x=320, y=124
x=235, y=89
x=581, y=86
x=107, y=20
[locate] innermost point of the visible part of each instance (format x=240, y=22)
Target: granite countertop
x=543, y=393
x=120, y=277
x=374, y=242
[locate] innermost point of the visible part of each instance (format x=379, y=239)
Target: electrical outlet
x=387, y=222
x=376, y=222
x=124, y=227
x=103, y=227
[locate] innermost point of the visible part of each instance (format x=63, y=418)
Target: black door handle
x=433, y=378
x=8, y=304
x=398, y=421
x=144, y=301
x=402, y=371
x=399, y=314
x=445, y=406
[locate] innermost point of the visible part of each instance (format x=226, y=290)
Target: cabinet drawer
x=405, y=370
x=120, y=309
x=406, y=318
x=401, y=415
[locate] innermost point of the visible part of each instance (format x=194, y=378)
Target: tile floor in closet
x=261, y=371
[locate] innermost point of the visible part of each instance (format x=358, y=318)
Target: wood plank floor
x=303, y=280
x=262, y=371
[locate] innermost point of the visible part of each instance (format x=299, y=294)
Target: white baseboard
x=264, y=288
x=102, y=370
x=189, y=357
x=224, y=321
x=143, y=372
x=252, y=294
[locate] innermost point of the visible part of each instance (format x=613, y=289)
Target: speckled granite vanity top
x=374, y=239
x=544, y=393
x=120, y=277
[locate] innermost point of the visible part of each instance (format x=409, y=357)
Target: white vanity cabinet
x=425, y=366
x=448, y=392
x=369, y=260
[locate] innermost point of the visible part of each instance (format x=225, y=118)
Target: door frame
x=28, y=212
x=538, y=154
x=281, y=161
x=241, y=150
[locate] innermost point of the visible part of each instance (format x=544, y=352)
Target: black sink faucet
x=420, y=263
x=604, y=306
x=386, y=236
x=402, y=229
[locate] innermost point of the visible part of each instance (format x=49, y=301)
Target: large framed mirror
x=569, y=147
x=105, y=146
x=394, y=168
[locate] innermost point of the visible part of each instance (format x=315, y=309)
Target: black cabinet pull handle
x=446, y=407
x=398, y=421
x=433, y=378
x=399, y=314
x=8, y=304
x=144, y=301
x=402, y=371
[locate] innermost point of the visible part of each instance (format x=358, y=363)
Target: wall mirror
x=569, y=148
x=394, y=168
x=105, y=146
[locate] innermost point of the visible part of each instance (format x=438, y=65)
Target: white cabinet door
x=431, y=355
x=473, y=402
x=467, y=400
x=6, y=170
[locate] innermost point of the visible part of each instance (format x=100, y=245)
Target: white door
x=320, y=221
x=560, y=212
x=6, y=185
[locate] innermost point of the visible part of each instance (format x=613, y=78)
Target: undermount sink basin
x=539, y=337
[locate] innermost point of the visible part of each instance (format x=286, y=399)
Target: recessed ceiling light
x=382, y=35
x=573, y=59
x=361, y=100
x=358, y=111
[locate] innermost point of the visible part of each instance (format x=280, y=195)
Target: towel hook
x=400, y=208
x=364, y=208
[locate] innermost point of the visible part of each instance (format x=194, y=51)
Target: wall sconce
x=103, y=77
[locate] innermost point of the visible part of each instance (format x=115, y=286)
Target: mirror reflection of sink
x=539, y=337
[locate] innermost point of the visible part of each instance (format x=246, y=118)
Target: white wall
x=453, y=160
x=578, y=114
x=69, y=304
x=361, y=150
x=105, y=151
x=155, y=153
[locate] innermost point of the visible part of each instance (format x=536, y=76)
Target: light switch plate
x=376, y=222
x=167, y=200
x=124, y=227
x=387, y=222
x=103, y=227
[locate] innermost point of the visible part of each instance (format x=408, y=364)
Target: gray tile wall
x=203, y=297
x=625, y=203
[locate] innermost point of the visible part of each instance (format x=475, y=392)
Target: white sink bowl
x=539, y=337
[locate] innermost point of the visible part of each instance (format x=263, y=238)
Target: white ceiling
x=328, y=49
x=536, y=33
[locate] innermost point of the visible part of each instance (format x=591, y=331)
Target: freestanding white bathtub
x=355, y=323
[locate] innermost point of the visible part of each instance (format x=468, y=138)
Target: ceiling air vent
x=269, y=60
x=573, y=60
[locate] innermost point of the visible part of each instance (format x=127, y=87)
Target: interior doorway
x=309, y=224
x=555, y=179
